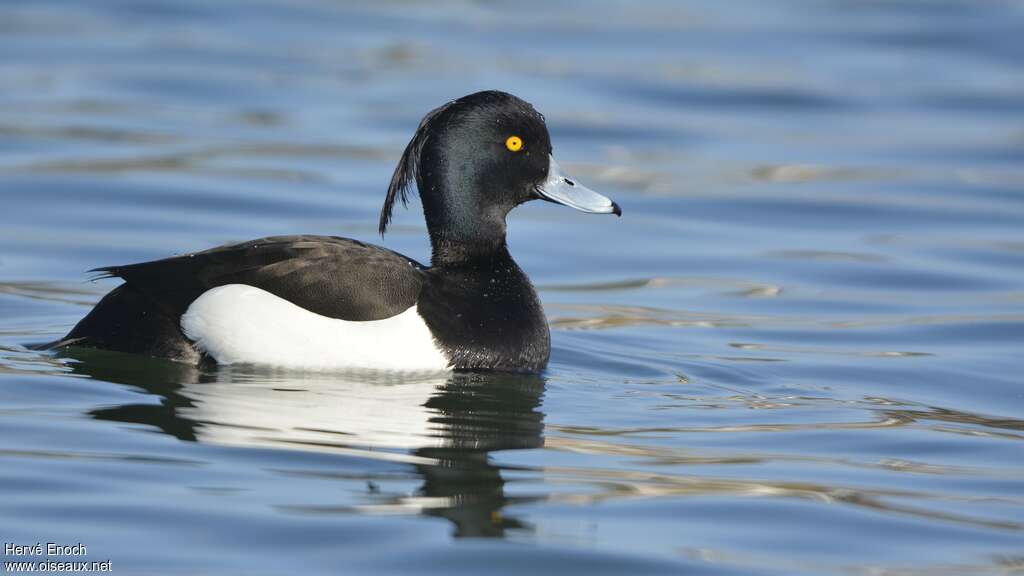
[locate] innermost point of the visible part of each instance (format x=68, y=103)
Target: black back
x=331, y=276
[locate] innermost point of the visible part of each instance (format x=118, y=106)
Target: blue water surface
x=799, y=351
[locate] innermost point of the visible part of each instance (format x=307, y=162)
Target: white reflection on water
x=316, y=411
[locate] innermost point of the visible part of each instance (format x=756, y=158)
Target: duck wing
x=328, y=275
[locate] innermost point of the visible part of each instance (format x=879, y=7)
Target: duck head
x=475, y=159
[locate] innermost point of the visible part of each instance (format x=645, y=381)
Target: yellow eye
x=514, y=143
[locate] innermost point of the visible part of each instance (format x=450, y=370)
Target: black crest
x=408, y=167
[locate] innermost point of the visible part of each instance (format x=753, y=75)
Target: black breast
x=486, y=316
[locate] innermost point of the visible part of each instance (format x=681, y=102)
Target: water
x=798, y=352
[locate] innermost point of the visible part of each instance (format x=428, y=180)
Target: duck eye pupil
x=569, y=182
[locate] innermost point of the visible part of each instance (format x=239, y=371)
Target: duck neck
x=447, y=251
x=461, y=236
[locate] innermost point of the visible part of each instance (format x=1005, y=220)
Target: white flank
x=238, y=323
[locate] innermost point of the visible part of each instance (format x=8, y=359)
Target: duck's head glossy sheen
x=476, y=158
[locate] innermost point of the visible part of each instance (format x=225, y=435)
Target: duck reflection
x=445, y=425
